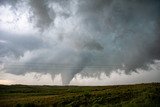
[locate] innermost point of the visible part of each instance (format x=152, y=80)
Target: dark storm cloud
x=41, y=12
x=92, y=36
x=129, y=28
x=16, y=44
x=10, y=2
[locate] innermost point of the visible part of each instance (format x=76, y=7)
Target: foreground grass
x=139, y=95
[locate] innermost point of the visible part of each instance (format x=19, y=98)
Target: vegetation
x=138, y=95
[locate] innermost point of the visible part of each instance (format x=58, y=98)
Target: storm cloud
x=82, y=36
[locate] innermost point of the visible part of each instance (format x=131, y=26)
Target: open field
x=138, y=95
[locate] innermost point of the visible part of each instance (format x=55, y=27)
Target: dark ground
x=138, y=95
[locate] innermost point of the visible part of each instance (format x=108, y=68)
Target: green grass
x=138, y=95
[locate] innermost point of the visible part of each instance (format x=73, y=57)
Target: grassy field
x=138, y=95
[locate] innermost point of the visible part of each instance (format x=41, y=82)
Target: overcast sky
x=79, y=42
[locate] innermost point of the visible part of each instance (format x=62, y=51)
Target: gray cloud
x=15, y=45
x=10, y=2
x=41, y=13
x=88, y=37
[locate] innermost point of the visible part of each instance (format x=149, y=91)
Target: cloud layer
x=79, y=36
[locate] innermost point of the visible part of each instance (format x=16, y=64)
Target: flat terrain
x=138, y=95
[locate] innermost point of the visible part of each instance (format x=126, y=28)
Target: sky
x=79, y=42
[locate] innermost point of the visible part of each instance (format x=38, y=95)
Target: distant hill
x=138, y=95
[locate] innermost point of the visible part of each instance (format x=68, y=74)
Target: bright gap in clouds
x=15, y=21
